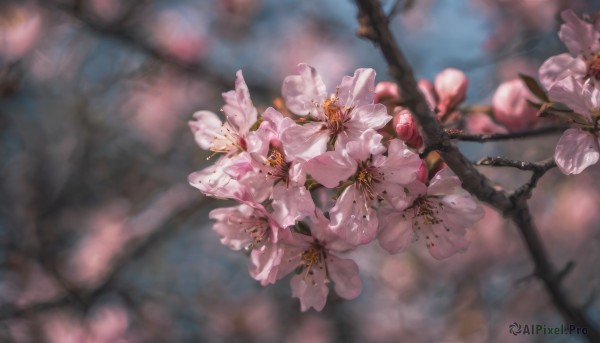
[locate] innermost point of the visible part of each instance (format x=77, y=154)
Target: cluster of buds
x=317, y=184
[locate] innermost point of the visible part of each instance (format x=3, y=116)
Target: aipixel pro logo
x=542, y=329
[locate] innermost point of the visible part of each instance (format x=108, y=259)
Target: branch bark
x=548, y=130
x=374, y=26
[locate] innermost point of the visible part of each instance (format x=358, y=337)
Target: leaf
x=534, y=87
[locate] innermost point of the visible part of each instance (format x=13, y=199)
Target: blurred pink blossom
x=451, y=88
x=482, y=124
x=510, y=105
x=181, y=37
x=19, y=31
x=386, y=90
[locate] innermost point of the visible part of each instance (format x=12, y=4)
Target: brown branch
x=374, y=26
x=548, y=130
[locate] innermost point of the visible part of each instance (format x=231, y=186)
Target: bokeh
x=102, y=239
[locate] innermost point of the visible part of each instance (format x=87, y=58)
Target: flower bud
x=426, y=87
x=510, y=105
x=451, y=88
x=386, y=90
x=482, y=124
x=423, y=173
x=406, y=128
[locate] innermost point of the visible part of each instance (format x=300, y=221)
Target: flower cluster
x=323, y=179
x=573, y=79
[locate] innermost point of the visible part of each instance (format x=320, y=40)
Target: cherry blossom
x=373, y=177
x=330, y=120
x=250, y=227
x=582, y=39
x=578, y=148
x=510, y=105
x=314, y=259
x=440, y=213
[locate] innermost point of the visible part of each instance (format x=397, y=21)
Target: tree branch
x=548, y=130
x=374, y=26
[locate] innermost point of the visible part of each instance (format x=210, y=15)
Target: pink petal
x=444, y=182
x=366, y=117
x=451, y=87
x=305, y=141
x=560, y=66
x=369, y=143
x=572, y=93
x=443, y=244
x=205, y=127
x=263, y=263
x=344, y=274
x=461, y=211
x=396, y=232
x=291, y=204
x=331, y=167
x=302, y=92
x=576, y=150
x=352, y=217
x=312, y=291
x=227, y=225
x=510, y=105
x=401, y=165
x=579, y=37
x=238, y=109
x=359, y=89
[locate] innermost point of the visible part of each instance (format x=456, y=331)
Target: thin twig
x=548, y=130
x=374, y=25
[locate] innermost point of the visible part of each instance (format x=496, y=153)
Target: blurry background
x=102, y=240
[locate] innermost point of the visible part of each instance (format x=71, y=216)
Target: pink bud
x=510, y=105
x=423, y=173
x=386, y=90
x=406, y=128
x=426, y=87
x=451, y=87
x=482, y=124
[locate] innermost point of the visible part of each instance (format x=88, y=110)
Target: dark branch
x=548, y=130
x=374, y=26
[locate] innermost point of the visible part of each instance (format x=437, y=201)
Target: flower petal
x=311, y=290
x=558, y=67
x=358, y=90
x=577, y=35
x=331, y=167
x=344, y=274
x=301, y=92
x=304, y=141
x=291, y=204
x=575, y=151
x=352, y=217
x=205, y=127
x=396, y=232
x=239, y=109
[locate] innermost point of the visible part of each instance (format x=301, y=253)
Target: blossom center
x=593, y=68
x=336, y=115
x=258, y=231
x=279, y=167
x=427, y=211
x=365, y=178
x=311, y=256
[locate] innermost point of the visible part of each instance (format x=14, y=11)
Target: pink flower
x=386, y=90
x=333, y=120
x=482, y=124
x=373, y=177
x=234, y=135
x=510, y=105
x=451, y=87
x=251, y=227
x=313, y=258
x=582, y=40
x=578, y=149
x=291, y=200
x=406, y=128
x=440, y=212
